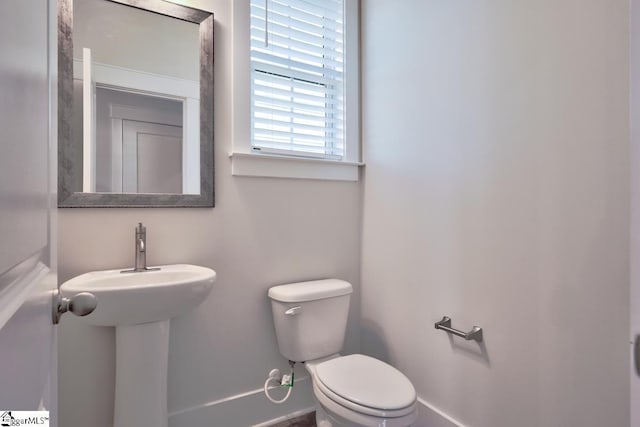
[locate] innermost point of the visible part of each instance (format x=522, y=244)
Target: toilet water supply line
x=284, y=381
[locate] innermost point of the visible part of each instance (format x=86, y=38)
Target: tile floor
x=306, y=420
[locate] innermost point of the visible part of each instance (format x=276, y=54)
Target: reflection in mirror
x=138, y=130
x=138, y=72
x=139, y=144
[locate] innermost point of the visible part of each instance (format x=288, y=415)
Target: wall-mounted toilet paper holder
x=473, y=334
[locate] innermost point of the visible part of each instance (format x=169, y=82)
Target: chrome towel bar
x=473, y=334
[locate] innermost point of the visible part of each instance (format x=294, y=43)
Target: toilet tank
x=310, y=318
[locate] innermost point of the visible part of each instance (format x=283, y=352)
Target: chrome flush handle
x=293, y=311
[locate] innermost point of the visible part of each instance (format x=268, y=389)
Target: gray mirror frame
x=67, y=169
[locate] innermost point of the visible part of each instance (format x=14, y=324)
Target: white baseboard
x=430, y=416
x=253, y=409
x=246, y=409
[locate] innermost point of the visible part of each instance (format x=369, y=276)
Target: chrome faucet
x=141, y=251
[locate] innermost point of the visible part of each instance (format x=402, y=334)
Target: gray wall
x=262, y=232
x=497, y=192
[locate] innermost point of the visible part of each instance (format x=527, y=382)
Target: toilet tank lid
x=310, y=291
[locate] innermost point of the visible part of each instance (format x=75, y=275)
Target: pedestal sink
x=139, y=305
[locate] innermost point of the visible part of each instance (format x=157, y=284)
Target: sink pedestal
x=141, y=375
x=140, y=305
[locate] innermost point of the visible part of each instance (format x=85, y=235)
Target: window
x=301, y=73
x=297, y=77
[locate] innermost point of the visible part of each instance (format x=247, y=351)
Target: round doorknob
x=81, y=304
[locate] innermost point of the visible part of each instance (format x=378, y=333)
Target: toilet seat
x=365, y=385
x=346, y=416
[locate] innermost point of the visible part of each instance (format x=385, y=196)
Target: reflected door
x=152, y=157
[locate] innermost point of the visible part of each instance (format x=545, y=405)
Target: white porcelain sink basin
x=150, y=296
x=140, y=306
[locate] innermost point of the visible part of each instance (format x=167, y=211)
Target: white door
x=27, y=206
x=634, y=330
x=151, y=157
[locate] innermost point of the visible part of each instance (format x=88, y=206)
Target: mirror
x=135, y=125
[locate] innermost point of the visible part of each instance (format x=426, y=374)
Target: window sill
x=274, y=166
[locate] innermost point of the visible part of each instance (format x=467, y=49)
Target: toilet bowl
x=350, y=391
x=357, y=390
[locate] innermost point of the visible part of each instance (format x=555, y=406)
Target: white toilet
x=351, y=391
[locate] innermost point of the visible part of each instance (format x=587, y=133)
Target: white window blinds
x=297, y=77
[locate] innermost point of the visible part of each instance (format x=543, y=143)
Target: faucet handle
x=141, y=228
